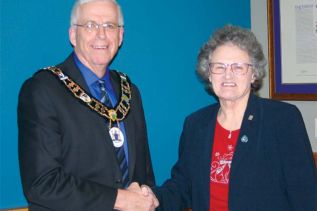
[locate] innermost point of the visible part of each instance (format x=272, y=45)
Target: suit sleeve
x=45, y=182
x=297, y=161
x=143, y=162
x=174, y=194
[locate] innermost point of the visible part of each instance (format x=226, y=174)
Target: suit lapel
x=128, y=125
x=70, y=69
x=130, y=132
x=248, y=133
x=206, y=134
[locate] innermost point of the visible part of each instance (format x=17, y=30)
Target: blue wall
x=162, y=39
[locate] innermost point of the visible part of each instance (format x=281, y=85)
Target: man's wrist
x=120, y=199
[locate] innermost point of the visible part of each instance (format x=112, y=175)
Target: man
x=82, y=133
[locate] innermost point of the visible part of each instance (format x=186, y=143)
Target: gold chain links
x=115, y=114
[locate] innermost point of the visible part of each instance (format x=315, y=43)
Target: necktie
x=104, y=98
x=104, y=95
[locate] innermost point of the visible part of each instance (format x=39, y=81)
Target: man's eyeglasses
x=236, y=68
x=92, y=26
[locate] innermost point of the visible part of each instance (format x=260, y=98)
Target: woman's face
x=230, y=86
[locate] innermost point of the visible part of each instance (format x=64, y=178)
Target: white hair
x=78, y=3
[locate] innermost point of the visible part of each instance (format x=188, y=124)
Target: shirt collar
x=89, y=76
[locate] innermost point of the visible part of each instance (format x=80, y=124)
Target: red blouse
x=222, y=153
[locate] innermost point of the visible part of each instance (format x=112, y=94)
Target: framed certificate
x=292, y=32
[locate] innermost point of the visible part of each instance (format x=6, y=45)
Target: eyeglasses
x=236, y=68
x=92, y=26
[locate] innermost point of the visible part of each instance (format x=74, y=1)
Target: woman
x=243, y=153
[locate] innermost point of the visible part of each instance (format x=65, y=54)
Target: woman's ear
x=253, y=78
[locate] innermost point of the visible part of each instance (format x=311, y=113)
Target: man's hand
x=135, y=198
x=147, y=191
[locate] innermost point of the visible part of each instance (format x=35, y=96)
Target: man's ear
x=121, y=34
x=72, y=35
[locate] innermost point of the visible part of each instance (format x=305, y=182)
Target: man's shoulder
x=45, y=73
x=43, y=77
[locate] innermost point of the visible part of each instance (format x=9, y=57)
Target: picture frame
x=292, y=70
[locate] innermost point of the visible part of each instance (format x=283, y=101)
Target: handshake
x=136, y=198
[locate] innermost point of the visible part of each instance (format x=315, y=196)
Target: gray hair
x=75, y=11
x=245, y=40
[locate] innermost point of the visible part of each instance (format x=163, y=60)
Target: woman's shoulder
x=276, y=103
x=204, y=112
x=276, y=106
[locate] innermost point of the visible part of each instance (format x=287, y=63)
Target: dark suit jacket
x=272, y=171
x=67, y=159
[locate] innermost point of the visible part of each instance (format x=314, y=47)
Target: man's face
x=96, y=48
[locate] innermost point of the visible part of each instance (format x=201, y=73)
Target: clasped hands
x=136, y=198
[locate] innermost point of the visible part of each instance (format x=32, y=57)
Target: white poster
x=298, y=41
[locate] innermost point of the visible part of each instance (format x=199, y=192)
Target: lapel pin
x=250, y=117
x=244, y=139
